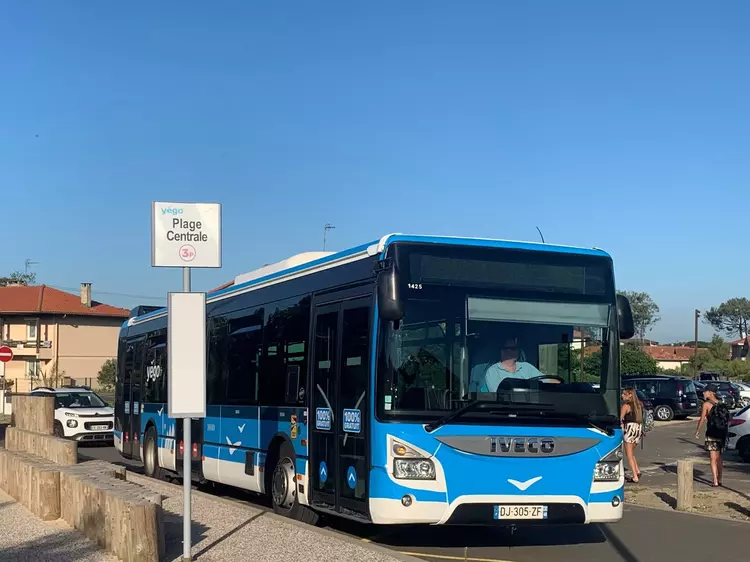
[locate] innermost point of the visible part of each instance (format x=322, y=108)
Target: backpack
x=648, y=421
x=718, y=421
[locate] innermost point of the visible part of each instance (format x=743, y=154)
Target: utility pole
x=328, y=226
x=695, y=350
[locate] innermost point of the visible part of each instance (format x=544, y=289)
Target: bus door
x=133, y=395
x=339, y=431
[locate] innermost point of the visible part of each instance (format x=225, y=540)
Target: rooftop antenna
x=328, y=226
x=28, y=263
x=540, y=234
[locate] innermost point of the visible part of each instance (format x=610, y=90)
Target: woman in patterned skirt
x=631, y=419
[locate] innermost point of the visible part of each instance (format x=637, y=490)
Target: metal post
x=583, y=354
x=695, y=351
x=187, y=542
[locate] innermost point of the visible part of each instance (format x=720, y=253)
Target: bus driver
x=489, y=378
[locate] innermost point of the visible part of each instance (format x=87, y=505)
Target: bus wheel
x=151, y=455
x=284, y=488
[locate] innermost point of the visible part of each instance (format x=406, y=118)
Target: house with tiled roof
x=672, y=356
x=740, y=349
x=56, y=336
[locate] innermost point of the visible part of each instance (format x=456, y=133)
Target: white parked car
x=80, y=414
x=744, y=392
x=739, y=433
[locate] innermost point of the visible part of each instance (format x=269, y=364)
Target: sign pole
x=187, y=469
x=186, y=235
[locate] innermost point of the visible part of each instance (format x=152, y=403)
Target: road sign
x=185, y=234
x=323, y=471
x=186, y=332
x=6, y=354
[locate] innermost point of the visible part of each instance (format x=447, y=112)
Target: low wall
x=42, y=473
x=34, y=413
x=32, y=482
x=53, y=449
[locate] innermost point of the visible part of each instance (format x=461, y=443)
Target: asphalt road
x=664, y=446
x=643, y=534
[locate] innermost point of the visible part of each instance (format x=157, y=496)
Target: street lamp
x=695, y=350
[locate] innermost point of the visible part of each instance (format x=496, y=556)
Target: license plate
x=520, y=512
x=693, y=404
x=98, y=427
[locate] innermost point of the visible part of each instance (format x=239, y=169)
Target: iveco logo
x=521, y=445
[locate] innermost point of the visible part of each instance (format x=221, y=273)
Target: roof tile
x=40, y=299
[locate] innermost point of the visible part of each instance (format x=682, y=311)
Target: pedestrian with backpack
x=716, y=415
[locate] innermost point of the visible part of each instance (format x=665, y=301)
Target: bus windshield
x=458, y=344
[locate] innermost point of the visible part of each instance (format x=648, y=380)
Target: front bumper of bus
x=604, y=507
x=481, y=490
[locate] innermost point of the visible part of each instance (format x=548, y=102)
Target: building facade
x=56, y=337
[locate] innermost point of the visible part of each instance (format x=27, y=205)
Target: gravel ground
x=225, y=531
x=24, y=538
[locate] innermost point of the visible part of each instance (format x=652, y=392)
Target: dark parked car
x=672, y=397
x=723, y=396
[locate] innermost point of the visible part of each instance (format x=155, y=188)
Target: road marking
x=447, y=557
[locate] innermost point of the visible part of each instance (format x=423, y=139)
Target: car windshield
x=78, y=400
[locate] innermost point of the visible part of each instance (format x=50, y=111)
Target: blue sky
x=625, y=127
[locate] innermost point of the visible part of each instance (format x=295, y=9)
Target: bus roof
x=311, y=262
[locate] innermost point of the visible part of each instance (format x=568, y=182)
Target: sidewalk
x=657, y=488
x=223, y=530
x=24, y=538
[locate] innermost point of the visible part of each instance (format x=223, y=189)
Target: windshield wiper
x=492, y=407
x=604, y=423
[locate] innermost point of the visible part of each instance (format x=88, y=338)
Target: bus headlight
x=607, y=472
x=414, y=469
x=608, y=467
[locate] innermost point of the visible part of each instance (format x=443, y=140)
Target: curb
x=268, y=513
x=690, y=513
x=661, y=424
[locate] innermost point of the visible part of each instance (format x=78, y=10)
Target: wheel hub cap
x=283, y=485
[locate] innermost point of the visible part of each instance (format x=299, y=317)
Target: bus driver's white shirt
x=495, y=374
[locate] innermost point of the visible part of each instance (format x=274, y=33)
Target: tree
x=633, y=361
x=645, y=312
x=106, y=376
x=718, y=348
x=52, y=376
x=18, y=278
x=730, y=317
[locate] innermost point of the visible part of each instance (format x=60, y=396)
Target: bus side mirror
x=390, y=306
x=625, y=318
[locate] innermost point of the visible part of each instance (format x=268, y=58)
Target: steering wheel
x=542, y=377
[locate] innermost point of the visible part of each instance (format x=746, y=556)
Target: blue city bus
x=415, y=379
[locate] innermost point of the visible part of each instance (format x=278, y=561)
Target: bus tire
x=283, y=489
x=151, y=466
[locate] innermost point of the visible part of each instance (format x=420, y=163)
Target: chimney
x=86, y=294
